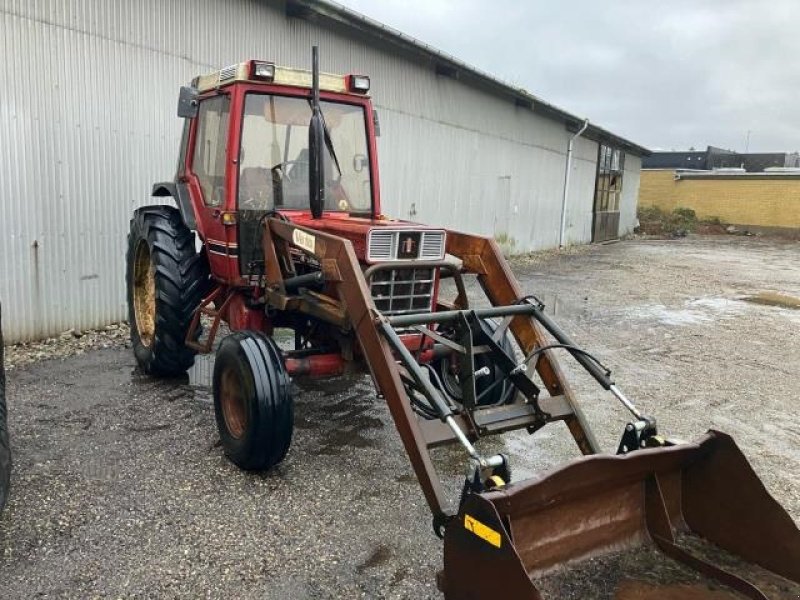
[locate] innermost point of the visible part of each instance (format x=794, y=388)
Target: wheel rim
x=232, y=400
x=144, y=294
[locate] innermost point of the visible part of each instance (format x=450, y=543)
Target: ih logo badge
x=409, y=245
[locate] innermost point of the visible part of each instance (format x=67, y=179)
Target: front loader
x=278, y=177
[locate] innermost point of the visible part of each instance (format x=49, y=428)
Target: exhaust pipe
x=316, y=141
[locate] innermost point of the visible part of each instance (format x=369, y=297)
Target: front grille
x=394, y=244
x=402, y=291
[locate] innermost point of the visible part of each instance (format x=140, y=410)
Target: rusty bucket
x=688, y=521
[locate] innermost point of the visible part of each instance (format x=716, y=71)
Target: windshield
x=273, y=158
x=273, y=165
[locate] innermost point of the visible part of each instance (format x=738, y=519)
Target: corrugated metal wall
x=87, y=124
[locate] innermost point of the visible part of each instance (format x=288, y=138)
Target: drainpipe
x=563, y=231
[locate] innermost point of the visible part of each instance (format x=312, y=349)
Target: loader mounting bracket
x=640, y=434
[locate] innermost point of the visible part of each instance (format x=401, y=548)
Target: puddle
x=694, y=312
x=774, y=299
x=342, y=412
x=379, y=556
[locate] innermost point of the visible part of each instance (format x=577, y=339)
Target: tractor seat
x=255, y=189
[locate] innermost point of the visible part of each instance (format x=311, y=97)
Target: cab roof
x=241, y=72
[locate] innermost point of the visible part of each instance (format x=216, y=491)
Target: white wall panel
x=87, y=124
x=630, y=194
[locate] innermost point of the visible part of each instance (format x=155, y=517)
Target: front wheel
x=252, y=400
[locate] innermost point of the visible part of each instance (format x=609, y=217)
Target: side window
x=208, y=162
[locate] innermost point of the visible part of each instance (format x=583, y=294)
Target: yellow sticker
x=482, y=531
x=304, y=240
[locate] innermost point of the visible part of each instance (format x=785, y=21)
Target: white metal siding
x=87, y=124
x=630, y=194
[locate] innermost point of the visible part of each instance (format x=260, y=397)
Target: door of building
x=607, y=193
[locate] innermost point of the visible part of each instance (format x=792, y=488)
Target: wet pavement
x=120, y=487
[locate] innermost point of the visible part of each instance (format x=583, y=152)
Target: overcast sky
x=665, y=74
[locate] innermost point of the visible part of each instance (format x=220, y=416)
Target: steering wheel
x=283, y=167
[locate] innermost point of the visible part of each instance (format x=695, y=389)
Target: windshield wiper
x=328, y=140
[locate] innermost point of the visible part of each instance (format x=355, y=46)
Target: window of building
x=608, y=189
x=208, y=163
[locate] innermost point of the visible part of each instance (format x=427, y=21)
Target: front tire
x=166, y=280
x=252, y=400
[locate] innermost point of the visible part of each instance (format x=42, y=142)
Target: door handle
x=217, y=212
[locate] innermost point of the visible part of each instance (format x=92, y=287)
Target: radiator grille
x=402, y=291
x=432, y=245
x=382, y=245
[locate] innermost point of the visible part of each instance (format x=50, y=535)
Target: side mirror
x=187, y=102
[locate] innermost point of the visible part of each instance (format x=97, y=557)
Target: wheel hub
x=144, y=295
x=233, y=407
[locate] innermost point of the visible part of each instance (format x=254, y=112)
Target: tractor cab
x=247, y=154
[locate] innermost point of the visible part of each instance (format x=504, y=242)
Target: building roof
x=716, y=158
x=332, y=13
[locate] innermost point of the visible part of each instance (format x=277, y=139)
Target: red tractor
x=278, y=176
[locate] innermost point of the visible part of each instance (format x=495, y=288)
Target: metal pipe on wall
x=570, y=145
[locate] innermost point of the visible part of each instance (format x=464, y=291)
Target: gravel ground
x=121, y=490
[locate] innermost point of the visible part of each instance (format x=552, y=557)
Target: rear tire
x=252, y=401
x=5, y=448
x=166, y=280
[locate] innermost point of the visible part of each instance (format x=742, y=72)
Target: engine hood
x=355, y=229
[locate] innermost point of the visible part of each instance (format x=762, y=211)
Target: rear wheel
x=166, y=280
x=252, y=400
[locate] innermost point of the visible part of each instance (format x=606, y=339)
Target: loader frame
x=383, y=349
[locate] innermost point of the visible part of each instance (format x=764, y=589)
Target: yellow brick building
x=758, y=199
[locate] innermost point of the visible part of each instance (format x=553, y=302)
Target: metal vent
x=382, y=245
x=227, y=73
x=402, y=291
x=432, y=245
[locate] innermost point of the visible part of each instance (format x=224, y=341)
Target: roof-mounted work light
x=264, y=71
x=358, y=84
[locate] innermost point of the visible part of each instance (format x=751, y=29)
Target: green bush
x=655, y=221
x=685, y=213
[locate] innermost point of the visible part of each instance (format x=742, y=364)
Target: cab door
x=207, y=183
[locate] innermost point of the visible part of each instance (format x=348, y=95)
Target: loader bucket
x=688, y=521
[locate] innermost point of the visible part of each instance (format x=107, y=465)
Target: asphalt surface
x=120, y=488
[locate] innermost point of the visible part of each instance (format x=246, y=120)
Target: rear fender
x=180, y=193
